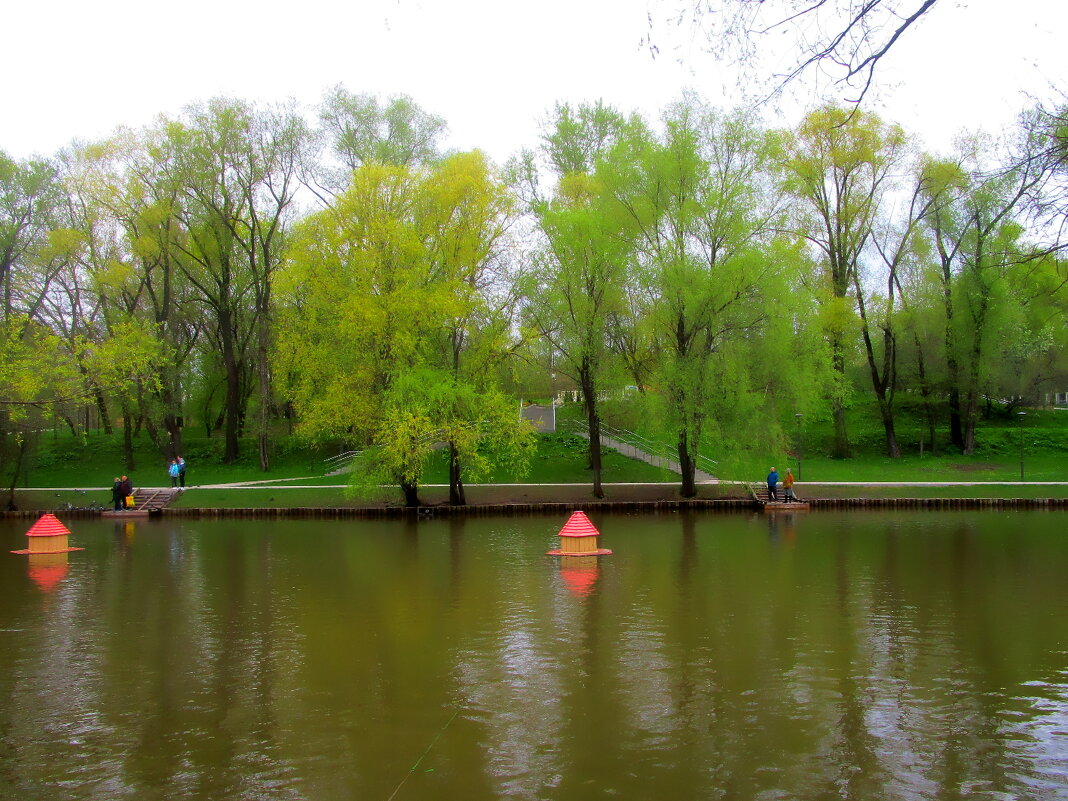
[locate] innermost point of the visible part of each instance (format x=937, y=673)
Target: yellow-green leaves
x=388, y=283
x=35, y=367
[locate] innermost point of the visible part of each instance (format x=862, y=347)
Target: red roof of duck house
x=48, y=525
x=578, y=525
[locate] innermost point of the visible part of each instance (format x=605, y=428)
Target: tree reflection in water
x=860, y=656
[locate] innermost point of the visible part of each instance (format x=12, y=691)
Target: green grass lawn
x=336, y=497
x=1040, y=467
x=558, y=459
x=92, y=461
x=561, y=459
x=1042, y=433
x=95, y=459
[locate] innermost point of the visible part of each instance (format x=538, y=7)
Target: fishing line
x=422, y=756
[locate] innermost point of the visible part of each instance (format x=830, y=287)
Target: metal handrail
x=663, y=453
x=341, y=461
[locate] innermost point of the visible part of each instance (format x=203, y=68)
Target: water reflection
x=579, y=574
x=712, y=656
x=46, y=570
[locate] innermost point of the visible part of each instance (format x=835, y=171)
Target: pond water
x=853, y=655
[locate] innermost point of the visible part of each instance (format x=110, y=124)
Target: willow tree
x=384, y=286
x=701, y=221
x=839, y=164
x=468, y=212
x=580, y=270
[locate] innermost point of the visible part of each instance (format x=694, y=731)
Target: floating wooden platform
x=782, y=506
x=129, y=514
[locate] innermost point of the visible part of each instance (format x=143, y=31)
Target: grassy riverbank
x=558, y=471
x=304, y=497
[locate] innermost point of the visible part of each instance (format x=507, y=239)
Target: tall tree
x=895, y=239
x=700, y=225
x=144, y=196
x=237, y=169
x=839, y=163
x=363, y=129
x=979, y=241
x=381, y=288
x=469, y=212
x=576, y=284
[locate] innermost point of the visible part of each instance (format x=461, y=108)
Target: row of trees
x=237, y=264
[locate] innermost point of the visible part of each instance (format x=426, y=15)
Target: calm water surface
x=856, y=656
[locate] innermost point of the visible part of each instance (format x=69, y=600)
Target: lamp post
x=1020, y=416
x=798, y=417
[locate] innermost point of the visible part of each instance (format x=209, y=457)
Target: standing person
x=118, y=500
x=181, y=472
x=125, y=490
x=788, y=486
x=773, y=483
x=172, y=471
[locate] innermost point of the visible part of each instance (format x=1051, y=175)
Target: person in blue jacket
x=773, y=483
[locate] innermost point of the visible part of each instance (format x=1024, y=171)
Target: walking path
x=276, y=483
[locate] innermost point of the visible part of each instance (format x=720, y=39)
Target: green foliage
x=35, y=368
x=737, y=276
x=389, y=292
x=363, y=130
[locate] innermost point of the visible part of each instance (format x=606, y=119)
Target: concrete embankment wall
x=519, y=509
x=725, y=505
x=938, y=503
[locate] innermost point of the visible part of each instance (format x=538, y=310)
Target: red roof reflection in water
x=46, y=570
x=579, y=574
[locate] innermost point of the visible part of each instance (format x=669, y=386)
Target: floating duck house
x=578, y=537
x=48, y=535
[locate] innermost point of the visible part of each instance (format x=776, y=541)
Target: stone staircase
x=760, y=493
x=153, y=498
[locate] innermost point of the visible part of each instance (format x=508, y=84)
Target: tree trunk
x=127, y=439
x=23, y=444
x=687, y=466
x=841, y=448
x=102, y=409
x=411, y=494
x=925, y=394
x=956, y=429
x=457, y=497
x=893, y=450
x=971, y=409
x=970, y=413
x=70, y=424
x=154, y=435
x=172, y=413
x=265, y=409
x=882, y=380
x=174, y=435
x=593, y=419
x=232, y=413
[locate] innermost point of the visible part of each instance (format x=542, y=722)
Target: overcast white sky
x=491, y=68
